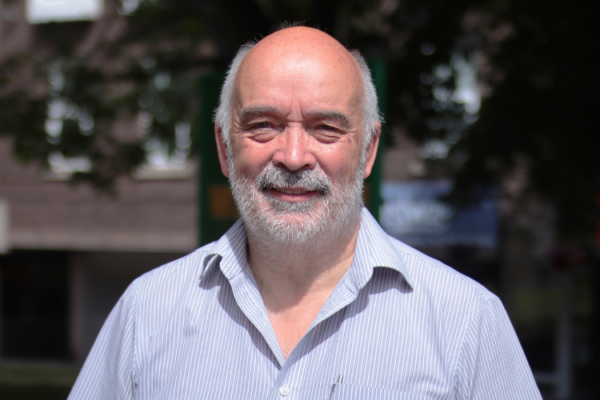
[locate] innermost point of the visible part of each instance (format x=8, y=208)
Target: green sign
x=372, y=193
x=217, y=210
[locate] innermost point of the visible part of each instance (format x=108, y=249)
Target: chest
x=223, y=353
x=291, y=325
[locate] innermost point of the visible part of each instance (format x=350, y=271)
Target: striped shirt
x=399, y=325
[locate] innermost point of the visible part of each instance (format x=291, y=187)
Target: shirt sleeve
x=492, y=364
x=108, y=372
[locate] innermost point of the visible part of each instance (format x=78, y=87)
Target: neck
x=288, y=273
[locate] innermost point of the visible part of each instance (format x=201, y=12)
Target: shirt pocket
x=354, y=392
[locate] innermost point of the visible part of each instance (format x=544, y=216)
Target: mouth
x=291, y=191
x=292, y=194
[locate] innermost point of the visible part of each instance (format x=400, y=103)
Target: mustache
x=272, y=177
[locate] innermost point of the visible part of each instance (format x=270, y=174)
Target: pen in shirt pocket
x=340, y=379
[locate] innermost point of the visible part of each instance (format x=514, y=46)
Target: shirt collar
x=229, y=252
x=374, y=249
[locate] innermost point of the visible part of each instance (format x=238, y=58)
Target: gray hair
x=223, y=113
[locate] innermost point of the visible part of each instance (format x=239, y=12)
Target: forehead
x=314, y=72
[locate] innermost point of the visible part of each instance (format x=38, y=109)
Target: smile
x=292, y=195
x=292, y=191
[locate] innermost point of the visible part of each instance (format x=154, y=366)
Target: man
x=305, y=297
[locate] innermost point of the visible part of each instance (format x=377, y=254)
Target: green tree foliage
x=121, y=73
x=536, y=68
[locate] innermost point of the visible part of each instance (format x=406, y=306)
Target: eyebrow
x=251, y=112
x=336, y=116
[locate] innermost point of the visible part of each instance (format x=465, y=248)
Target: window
x=164, y=131
x=163, y=126
x=43, y=11
x=65, y=118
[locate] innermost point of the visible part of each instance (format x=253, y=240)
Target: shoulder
x=450, y=300
x=175, y=273
x=428, y=273
x=155, y=293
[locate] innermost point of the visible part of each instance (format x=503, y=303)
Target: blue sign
x=413, y=213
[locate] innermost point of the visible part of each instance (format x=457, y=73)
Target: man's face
x=296, y=157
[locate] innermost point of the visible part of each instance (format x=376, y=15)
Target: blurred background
x=489, y=159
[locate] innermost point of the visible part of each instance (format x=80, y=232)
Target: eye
x=327, y=133
x=259, y=125
x=261, y=131
x=327, y=128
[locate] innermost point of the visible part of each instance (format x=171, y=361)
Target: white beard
x=319, y=221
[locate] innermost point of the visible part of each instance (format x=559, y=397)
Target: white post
x=562, y=388
x=4, y=226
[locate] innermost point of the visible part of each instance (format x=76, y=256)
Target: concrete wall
x=146, y=215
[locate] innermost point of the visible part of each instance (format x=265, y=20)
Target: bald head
x=301, y=37
x=300, y=54
x=304, y=53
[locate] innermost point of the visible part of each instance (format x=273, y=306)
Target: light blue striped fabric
x=399, y=325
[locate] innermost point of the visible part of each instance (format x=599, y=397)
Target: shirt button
x=284, y=391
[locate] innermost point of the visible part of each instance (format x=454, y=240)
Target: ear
x=221, y=149
x=372, y=150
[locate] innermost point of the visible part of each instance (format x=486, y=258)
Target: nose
x=294, y=152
